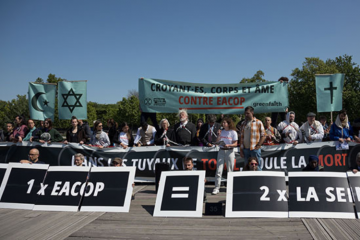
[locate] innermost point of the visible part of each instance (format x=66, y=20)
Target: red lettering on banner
x=204, y=163
x=235, y=168
x=205, y=101
x=331, y=160
x=180, y=100
x=321, y=162
x=212, y=164
x=344, y=157
x=218, y=99
x=242, y=99
x=337, y=160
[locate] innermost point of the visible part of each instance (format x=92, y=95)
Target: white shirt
x=228, y=137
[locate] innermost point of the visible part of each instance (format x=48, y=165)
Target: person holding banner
x=341, y=130
x=21, y=129
x=312, y=130
x=289, y=129
x=227, y=139
x=272, y=134
x=185, y=131
x=252, y=164
x=313, y=164
x=208, y=132
x=252, y=136
x=74, y=133
x=99, y=138
x=274, y=115
x=145, y=135
x=79, y=159
x=49, y=134
x=165, y=135
x=33, y=157
x=33, y=134
x=124, y=138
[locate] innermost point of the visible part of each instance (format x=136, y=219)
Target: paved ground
x=139, y=224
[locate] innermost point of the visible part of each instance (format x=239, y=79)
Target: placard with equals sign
x=180, y=195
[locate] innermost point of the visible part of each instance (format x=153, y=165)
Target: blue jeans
x=253, y=153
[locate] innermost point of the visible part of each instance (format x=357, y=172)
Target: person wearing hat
x=313, y=164
x=312, y=130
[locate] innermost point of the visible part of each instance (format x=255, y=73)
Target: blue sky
x=113, y=43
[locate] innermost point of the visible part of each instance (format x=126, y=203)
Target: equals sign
x=180, y=195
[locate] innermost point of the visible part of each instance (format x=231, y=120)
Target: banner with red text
x=169, y=96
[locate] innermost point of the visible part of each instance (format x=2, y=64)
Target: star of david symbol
x=77, y=102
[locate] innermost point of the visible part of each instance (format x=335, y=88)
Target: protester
x=208, y=131
x=75, y=134
x=85, y=126
x=124, y=138
x=99, y=138
x=113, y=126
x=9, y=131
x=274, y=115
x=20, y=130
x=313, y=164
x=79, y=159
x=33, y=157
x=33, y=134
x=145, y=135
x=289, y=129
x=312, y=130
x=326, y=128
x=189, y=166
x=252, y=164
x=272, y=135
x=341, y=130
x=165, y=135
x=42, y=125
x=228, y=141
x=252, y=136
x=118, y=162
x=185, y=131
x=199, y=123
x=356, y=167
x=49, y=134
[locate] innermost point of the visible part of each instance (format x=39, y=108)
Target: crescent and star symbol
x=34, y=101
x=77, y=100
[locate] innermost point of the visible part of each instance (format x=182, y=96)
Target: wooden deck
x=139, y=224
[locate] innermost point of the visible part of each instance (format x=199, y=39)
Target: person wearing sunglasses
x=99, y=138
x=252, y=164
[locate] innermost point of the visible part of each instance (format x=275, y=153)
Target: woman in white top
x=124, y=138
x=229, y=139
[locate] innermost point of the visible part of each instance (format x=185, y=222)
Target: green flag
x=329, y=89
x=72, y=99
x=41, y=100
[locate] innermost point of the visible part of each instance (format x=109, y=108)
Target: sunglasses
x=253, y=164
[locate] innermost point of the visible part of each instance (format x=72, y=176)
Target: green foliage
x=128, y=111
x=302, y=92
x=10, y=109
x=257, y=78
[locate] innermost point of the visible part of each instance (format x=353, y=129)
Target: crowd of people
x=249, y=135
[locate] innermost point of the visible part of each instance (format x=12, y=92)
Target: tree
x=133, y=92
x=302, y=92
x=257, y=78
x=128, y=111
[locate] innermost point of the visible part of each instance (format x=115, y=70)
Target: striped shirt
x=257, y=131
